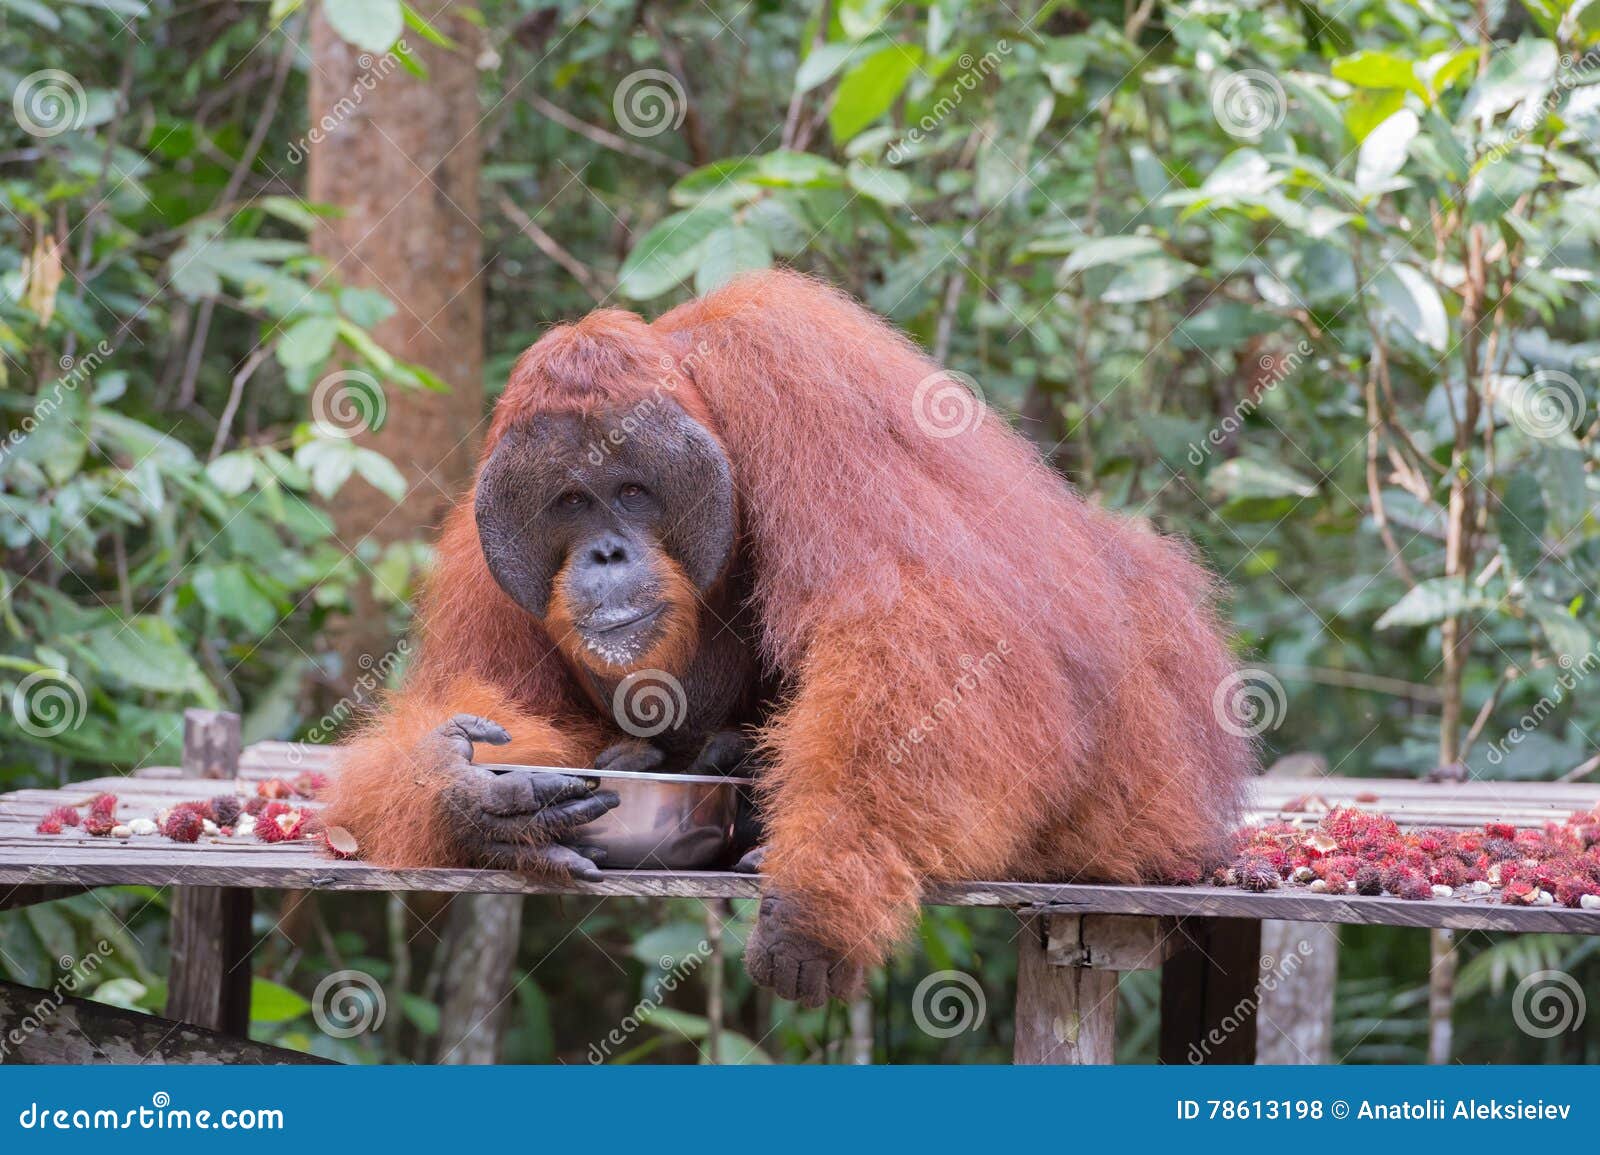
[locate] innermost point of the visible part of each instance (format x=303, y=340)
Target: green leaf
x=1410, y=299
x=1432, y=601
x=729, y=252
x=859, y=18
x=1383, y=153
x=884, y=185
x=371, y=24
x=146, y=653
x=1145, y=279
x=788, y=169
x=1521, y=520
x=870, y=89
x=820, y=64
x=308, y=342
x=670, y=252
x=1565, y=635
x=1246, y=477
x=228, y=591
x=1375, y=69
x=379, y=472
x=273, y=1003
x=420, y=1013
x=1106, y=250
x=1519, y=74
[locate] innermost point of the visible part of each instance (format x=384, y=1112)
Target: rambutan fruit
x=1505, y=830
x=1256, y=874
x=1414, y=886
x=103, y=805
x=274, y=789
x=309, y=784
x=49, y=824
x=1369, y=881
x=183, y=825
x=225, y=809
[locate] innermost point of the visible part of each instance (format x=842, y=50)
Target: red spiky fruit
x=99, y=825
x=49, y=824
x=1256, y=874
x=183, y=825
x=1369, y=881
x=103, y=806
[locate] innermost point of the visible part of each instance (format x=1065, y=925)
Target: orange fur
x=987, y=677
x=679, y=625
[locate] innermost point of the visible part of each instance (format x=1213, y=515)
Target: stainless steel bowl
x=664, y=821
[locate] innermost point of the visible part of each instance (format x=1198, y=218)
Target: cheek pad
x=519, y=550
x=697, y=486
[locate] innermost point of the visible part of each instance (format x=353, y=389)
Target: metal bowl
x=663, y=822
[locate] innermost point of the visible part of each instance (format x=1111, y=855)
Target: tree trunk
x=482, y=941
x=399, y=157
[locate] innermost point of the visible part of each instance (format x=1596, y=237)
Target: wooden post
x=1067, y=967
x=208, y=983
x=210, y=744
x=1210, y=990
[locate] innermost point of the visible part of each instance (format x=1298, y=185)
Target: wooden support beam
x=209, y=979
x=1210, y=991
x=54, y=1027
x=1067, y=967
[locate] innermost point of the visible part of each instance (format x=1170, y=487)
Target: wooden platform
x=74, y=859
x=1073, y=939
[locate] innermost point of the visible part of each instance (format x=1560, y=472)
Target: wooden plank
x=208, y=980
x=1111, y=942
x=298, y=867
x=1210, y=990
x=1065, y=1014
x=55, y=1027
